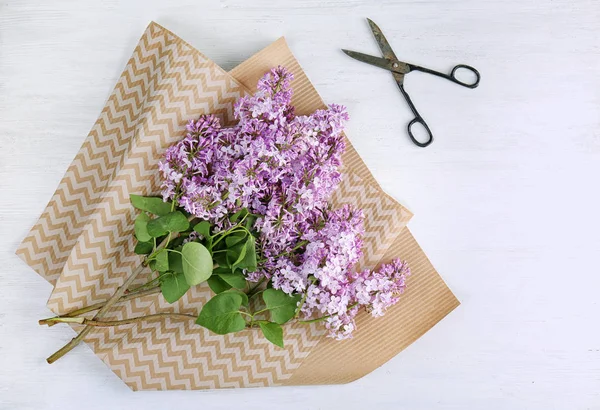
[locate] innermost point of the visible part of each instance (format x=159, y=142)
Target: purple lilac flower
x=283, y=168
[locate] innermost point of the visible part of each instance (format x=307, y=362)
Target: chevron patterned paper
x=83, y=242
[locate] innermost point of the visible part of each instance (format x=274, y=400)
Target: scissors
x=399, y=69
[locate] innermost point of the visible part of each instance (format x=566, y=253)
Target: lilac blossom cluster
x=271, y=162
x=283, y=168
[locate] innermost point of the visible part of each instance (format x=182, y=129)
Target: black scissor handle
x=457, y=67
x=452, y=76
x=419, y=120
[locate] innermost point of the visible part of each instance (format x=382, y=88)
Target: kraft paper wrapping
x=83, y=242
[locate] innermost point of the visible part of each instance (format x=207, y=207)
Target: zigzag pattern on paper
x=48, y=245
x=179, y=355
x=84, y=240
x=106, y=243
x=165, y=354
x=384, y=217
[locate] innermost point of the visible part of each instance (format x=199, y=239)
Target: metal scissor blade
x=385, y=47
x=393, y=66
x=365, y=58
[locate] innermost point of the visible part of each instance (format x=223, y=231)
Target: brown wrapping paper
x=83, y=241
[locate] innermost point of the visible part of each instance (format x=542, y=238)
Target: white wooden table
x=506, y=200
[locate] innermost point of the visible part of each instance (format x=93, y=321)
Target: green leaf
x=218, y=285
x=222, y=260
x=242, y=294
x=249, y=261
x=240, y=258
x=151, y=204
x=175, y=243
x=141, y=230
x=171, y=222
x=197, y=263
x=238, y=215
x=233, y=254
x=273, y=332
x=203, y=228
x=221, y=269
x=235, y=238
x=250, y=220
x=161, y=263
x=173, y=286
x=144, y=248
x=221, y=314
x=281, y=305
x=176, y=261
x=236, y=280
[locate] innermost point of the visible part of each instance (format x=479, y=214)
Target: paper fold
x=83, y=241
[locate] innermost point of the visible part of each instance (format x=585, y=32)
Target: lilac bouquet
x=246, y=209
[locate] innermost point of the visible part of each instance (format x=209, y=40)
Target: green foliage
x=241, y=214
x=249, y=223
x=154, y=205
x=220, y=259
x=173, y=286
x=144, y=248
x=183, y=265
x=236, y=254
x=281, y=305
x=222, y=315
x=141, y=228
x=221, y=269
x=217, y=284
x=203, y=228
x=249, y=260
x=235, y=238
x=273, y=332
x=240, y=252
x=176, y=261
x=161, y=261
x=242, y=294
x=197, y=263
x=236, y=280
x=171, y=222
x=177, y=243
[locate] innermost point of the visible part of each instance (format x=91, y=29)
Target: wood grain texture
x=506, y=199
